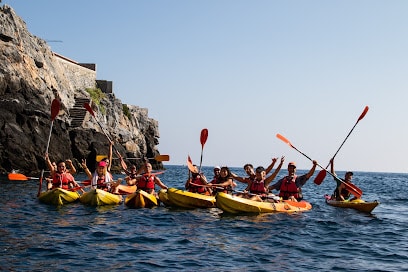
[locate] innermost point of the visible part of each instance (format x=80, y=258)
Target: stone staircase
x=78, y=112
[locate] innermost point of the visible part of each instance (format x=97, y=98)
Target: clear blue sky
x=247, y=70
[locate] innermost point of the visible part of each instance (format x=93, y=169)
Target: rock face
x=31, y=76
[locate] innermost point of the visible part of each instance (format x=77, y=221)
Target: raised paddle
x=18, y=176
x=190, y=165
x=203, y=140
x=55, y=107
x=90, y=110
x=322, y=174
x=156, y=158
x=351, y=187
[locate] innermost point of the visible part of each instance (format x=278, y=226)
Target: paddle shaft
x=122, y=162
x=358, y=120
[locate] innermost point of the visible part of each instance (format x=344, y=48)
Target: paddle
x=322, y=174
x=156, y=158
x=191, y=166
x=203, y=140
x=18, y=176
x=90, y=110
x=55, y=107
x=351, y=187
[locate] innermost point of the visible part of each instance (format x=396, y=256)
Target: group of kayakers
x=258, y=181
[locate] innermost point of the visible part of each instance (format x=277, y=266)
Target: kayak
x=141, y=199
x=356, y=204
x=189, y=200
x=236, y=204
x=98, y=197
x=58, y=197
x=125, y=189
x=164, y=197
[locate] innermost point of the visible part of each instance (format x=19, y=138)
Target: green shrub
x=96, y=96
x=126, y=111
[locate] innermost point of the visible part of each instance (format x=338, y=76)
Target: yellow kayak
x=141, y=199
x=235, y=204
x=58, y=197
x=164, y=197
x=356, y=204
x=98, y=197
x=185, y=199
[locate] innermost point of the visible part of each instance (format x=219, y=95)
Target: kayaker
x=148, y=180
x=341, y=193
x=249, y=169
x=131, y=175
x=290, y=187
x=62, y=178
x=216, y=171
x=52, y=166
x=257, y=188
x=224, y=183
x=197, y=183
x=101, y=178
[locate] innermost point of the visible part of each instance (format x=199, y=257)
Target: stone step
x=78, y=112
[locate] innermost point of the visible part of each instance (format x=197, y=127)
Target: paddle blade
x=89, y=109
x=162, y=158
x=55, y=107
x=191, y=166
x=203, y=136
x=101, y=157
x=189, y=160
x=17, y=176
x=357, y=192
x=363, y=113
x=280, y=137
x=320, y=177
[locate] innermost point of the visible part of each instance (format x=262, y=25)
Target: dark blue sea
x=38, y=237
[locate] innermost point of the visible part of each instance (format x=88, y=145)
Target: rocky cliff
x=31, y=76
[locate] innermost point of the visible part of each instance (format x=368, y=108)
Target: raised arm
x=86, y=169
x=270, y=167
x=312, y=170
x=275, y=173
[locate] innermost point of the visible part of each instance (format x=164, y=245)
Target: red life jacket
x=288, y=188
x=197, y=189
x=62, y=180
x=257, y=187
x=146, y=183
x=101, y=184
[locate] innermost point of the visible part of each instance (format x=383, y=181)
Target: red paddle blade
x=280, y=137
x=203, y=136
x=191, y=166
x=55, y=107
x=357, y=192
x=89, y=109
x=320, y=177
x=189, y=160
x=17, y=176
x=363, y=113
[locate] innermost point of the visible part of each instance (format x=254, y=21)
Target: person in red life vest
x=257, y=188
x=147, y=180
x=224, y=182
x=249, y=169
x=62, y=178
x=216, y=171
x=341, y=193
x=52, y=166
x=290, y=187
x=197, y=183
x=101, y=178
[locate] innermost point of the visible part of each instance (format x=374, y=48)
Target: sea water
x=39, y=237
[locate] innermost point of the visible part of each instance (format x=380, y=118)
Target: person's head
x=101, y=168
x=291, y=168
x=148, y=168
x=61, y=167
x=260, y=173
x=132, y=168
x=106, y=160
x=217, y=170
x=54, y=164
x=348, y=176
x=225, y=172
x=249, y=169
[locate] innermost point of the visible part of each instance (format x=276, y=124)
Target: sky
x=246, y=71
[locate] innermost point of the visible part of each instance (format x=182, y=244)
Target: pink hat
x=102, y=163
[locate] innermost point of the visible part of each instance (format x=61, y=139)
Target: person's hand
x=314, y=162
x=274, y=160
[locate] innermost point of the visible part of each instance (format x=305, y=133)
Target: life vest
x=257, y=187
x=288, y=188
x=220, y=180
x=197, y=189
x=344, y=192
x=102, y=182
x=146, y=183
x=62, y=180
